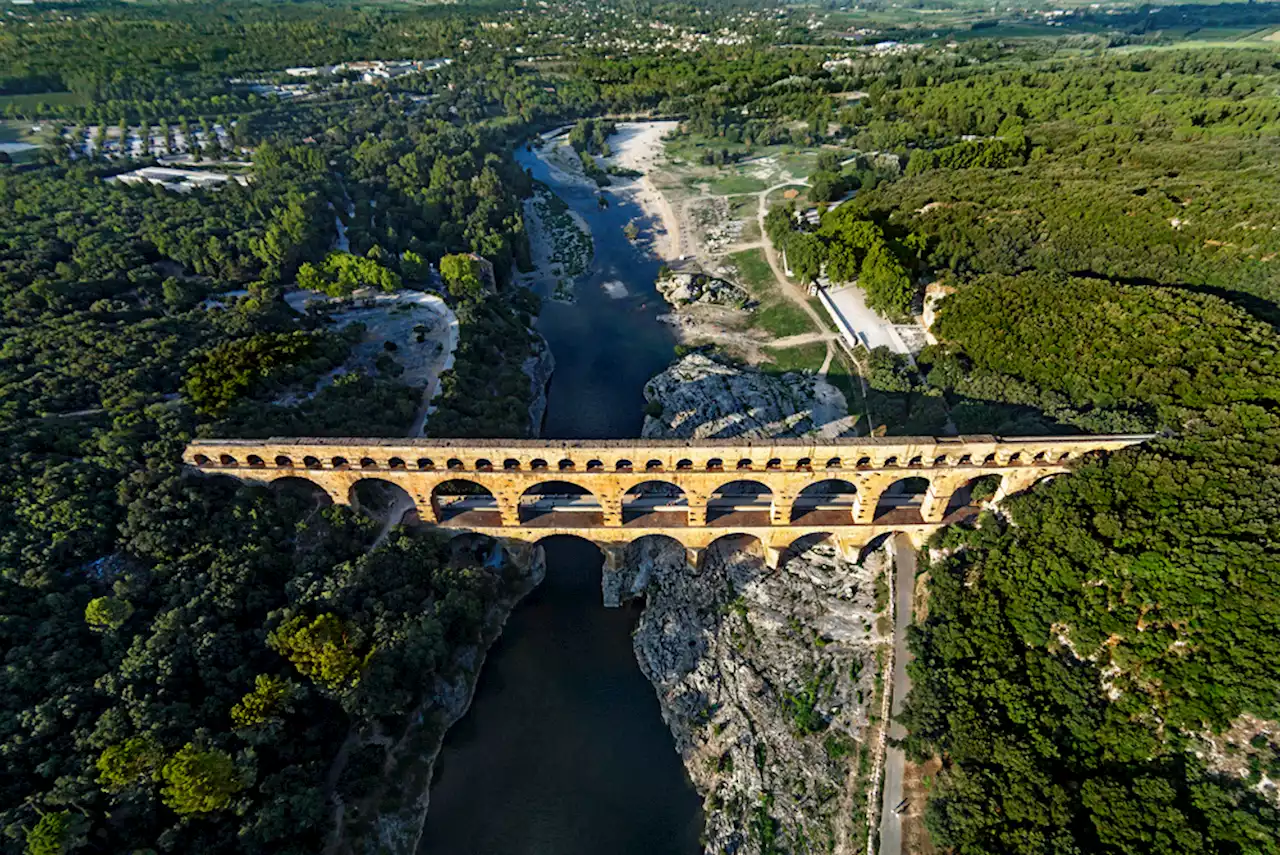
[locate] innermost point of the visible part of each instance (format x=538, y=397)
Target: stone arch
x=339, y=463
x=726, y=546
x=461, y=501
x=684, y=464
x=301, y=488
x=573, y=562
x=201, y=460
x=654, y=552
x=966, y=500
x=312, y=462
x=827, y=502
x=595, y=465
x=804, y=464
x=774, y=463
x=806, y=542
x=745, y=464
x=453, y=464
x=566, y=465
x=368, y=463
x=655, y=503
x=538, y=464
x=228, y=460
x=560, y=504
x=715, y=464
x=396, y=463
x=740, y=503
x=511, y=464
x=623, y=466
x=483, y=465
x=901, y=501
x=653, y=465
x=833, y=463
x=381, y=499
x=879, y=542
x=283, y=461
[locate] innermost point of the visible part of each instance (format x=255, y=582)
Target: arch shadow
x=966, y=501
x=742, y=503
x=301, y=489
x=655, y=503
x=464, y=502
x=828, y=502
x=560, y=504
x=382, y=500
x=901, y=501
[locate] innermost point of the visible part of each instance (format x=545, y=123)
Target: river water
x=564, y=751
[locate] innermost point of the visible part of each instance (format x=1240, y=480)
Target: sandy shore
x=638, y=146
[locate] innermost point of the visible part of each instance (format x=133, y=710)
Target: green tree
x=461, y=274
x=128, y=763
x=55, y=833
x=104, y=614
x=199, y=780
x=268, y=700
x=324, y=649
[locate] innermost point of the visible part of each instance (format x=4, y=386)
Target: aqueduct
x=613, y=492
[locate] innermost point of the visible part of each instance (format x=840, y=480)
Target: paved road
x=894, y=760
x=578, y=503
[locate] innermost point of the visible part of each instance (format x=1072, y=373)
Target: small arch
x=339, y=463
x=538, y=464
x=396, y=463
x=715, y=464
x=228, y=460
x=654, y=465
x=916, y=461
x=595, y=465
x=833, y=463
x=864, y=463
x=560, y=504
x=311, y=462
x=1064, y=457
x=829, y=502
x=1040, y=457
x=623, y=466
x=804, y=464
x=968, y=498
x=989, y=460
x=511, y=464
x=483, y=465
x=744, y=464
x=464, y=502
x=368, y=463
x=565, y=465
x=655, y=503
x=283, y=462
x=453, y=464
x=901, y=501
x=740, y=503
x=965, y=460
x=426, y=463
x=891, y=461
x=940, y=460
x=201, y=460
x=684, y=465
x=774, y=463
x=1016, y=457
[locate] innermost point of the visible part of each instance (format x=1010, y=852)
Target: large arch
x=383, y=500
x=901, y=501
x=742, y=503
x=829, y=502
x=301, y=489
x=654, y=553
x=461, y=501
x=655, y=503
x=880, y=542
x=575, y=565
x=560, y=504
x=967, y=499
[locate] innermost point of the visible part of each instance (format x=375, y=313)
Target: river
x=564, y=751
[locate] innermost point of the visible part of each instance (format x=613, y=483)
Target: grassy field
x=776, y=314
x=27, y=104
x=735, y=184
x=806, y=357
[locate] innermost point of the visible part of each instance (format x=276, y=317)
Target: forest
x=186, y=661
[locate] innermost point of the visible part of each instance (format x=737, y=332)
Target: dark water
x=564, y=751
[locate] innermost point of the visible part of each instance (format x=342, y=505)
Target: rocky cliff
x=683, y=289
x=768, y=681
x=699, y=397
x=540, y=366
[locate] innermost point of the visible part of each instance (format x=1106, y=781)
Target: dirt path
x=802, y=339
x=790, y=291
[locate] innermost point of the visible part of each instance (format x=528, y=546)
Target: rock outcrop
x=684, y=289
x=698, y=397
x=767, y=680
x=539, y=367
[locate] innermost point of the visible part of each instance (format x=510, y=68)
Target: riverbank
x=638, y=147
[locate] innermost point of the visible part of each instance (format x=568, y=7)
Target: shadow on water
x=564, y=751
